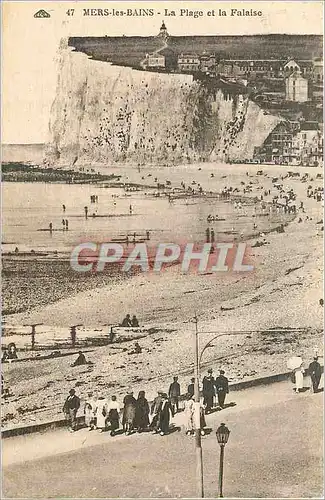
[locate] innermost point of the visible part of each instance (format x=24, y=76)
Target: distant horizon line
x=189, y=36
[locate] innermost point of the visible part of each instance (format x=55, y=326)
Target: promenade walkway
x=274, y=450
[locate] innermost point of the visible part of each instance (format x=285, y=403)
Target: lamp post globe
x=222, y=434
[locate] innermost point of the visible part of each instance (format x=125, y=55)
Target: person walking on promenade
x=164, y=415
x=70, y=409
x=113, y=410
x=202, y=420
x=208, y=391
x=315, y=372
x=222, y=388
x=190, y=388
x=154, y=411
x=174, y=394
x=299, y=378
x=128, y=419
x=142, y=412
x=189, y=415
x=89, y=411
x=101, y=413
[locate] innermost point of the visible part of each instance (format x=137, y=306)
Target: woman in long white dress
x=299, y=378
x=89, y=411
x=101, y=413
x=189, y=415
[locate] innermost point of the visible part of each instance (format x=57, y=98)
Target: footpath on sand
x=29, y=447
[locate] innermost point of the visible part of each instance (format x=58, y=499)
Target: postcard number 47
x=70, y=12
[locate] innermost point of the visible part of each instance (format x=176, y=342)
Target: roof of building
x=189, y=56
x=291, y=62
x=309, y=126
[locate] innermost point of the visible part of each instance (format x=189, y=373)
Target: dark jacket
x=190, y=390
x=71, y=403
x=142, y=413
x=315, y=369
x=174, y=389
x=221, y=384
x=208, y=385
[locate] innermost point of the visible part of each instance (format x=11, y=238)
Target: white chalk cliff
x=104, y=114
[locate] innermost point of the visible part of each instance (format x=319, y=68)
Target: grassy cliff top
x=129, y=51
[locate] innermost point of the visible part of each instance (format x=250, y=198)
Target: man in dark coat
x=190, y=388
x=222, y=388
x=208, y=391
x=315, y=372
x=70, y=408
x=174, y=394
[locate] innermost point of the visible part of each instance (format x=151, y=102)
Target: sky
x=30, y=45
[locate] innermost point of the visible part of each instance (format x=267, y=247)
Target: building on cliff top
x=296, y=87
x=188, y=63
x=154, y=60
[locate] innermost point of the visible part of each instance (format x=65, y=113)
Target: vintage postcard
x=162, y=249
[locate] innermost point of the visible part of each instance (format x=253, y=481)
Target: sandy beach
x=276, y=306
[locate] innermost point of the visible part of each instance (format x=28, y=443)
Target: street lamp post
x=198, y=445
x=222, y=437
x=197, y=364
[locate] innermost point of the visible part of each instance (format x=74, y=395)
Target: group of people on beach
x=128, y=322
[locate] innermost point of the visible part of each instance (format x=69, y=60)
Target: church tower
x=163, y=33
